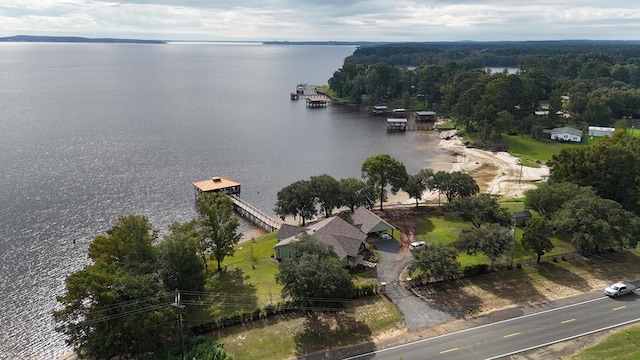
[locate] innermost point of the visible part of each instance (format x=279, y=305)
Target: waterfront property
x=396, y=124
x=347, y=237
x=426, y=117
x=347, y=241
x=217, y=184
x=379, y=109
x=241, y=207
x=317, y=101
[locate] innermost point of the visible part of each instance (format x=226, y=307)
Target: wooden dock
x=255, y=215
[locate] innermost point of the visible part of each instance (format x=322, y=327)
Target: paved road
x=507, y=337
x=417, y=313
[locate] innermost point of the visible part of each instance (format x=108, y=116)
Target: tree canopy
x=493, y=240
x=480, y=209
x=537, y=237
x=382, y=170
x=455, y=184
x=315, y=273
x=435, y=260
x=115, y=307
x=217, y=225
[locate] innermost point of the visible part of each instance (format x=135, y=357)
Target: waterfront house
x=347, y=241
x=370, y=224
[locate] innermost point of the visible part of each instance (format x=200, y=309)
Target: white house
x=566, y=134
x=598, y=131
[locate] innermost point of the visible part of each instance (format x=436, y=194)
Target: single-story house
x=347, y=241
x=428, y=116
x=370, y=224
x=566, y=134
x=599, y=131
x=520, y=218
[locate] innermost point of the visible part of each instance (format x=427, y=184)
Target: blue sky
x=345, y=20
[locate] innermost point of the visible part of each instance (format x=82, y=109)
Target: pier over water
x=241, y=207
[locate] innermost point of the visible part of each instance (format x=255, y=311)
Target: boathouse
x=429, y=116
x=317, y=101
x=396, y=124
x=217, y=184
x=379, y=109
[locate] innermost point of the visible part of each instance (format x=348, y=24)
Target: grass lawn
x=445, y=230
x=291, y=335
x=534, y=152
x=623, y=345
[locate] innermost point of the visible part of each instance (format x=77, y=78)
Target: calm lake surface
x=89, y=132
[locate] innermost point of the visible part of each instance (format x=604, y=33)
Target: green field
x=623, y=345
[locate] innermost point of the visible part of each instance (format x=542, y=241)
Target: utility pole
x=176, y=304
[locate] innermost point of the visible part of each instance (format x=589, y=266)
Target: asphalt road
x=507, y=337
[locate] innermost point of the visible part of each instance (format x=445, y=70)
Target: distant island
x=346, y=43
x=76, y=39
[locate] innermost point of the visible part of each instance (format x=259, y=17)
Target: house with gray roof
x=370, y=223
x=566, y=134
x=347, y=241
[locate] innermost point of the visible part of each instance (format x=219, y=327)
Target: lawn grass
x=286, y=336
x=444, y=229
x=623, y=345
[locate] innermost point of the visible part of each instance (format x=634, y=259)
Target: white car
x=385, y=236
x=416, y=244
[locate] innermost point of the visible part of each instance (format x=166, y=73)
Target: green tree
x=454, y=184
x=115, y=307
x=382, y=170
x=492, y=240
x=435, y=260
x=296, y=199
x=480, y=209
x=415, y=186
x=127, y=245
x=549, y=197
x=315, y=272
x=201, y=348
x=180, y=266
x=537, y=237
x=611, y=167
x=217, y=225
x=597, y=112
x=355, y=193
x=326, y=190
x=596, y=224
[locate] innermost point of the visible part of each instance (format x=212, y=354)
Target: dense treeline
x=579, y=83
x=489, y=54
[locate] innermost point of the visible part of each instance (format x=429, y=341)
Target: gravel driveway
x=418, y=314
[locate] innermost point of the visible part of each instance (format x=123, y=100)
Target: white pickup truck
x=619, y=289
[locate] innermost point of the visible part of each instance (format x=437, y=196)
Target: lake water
x=89, y=132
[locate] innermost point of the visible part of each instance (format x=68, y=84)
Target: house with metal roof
x=599, y=131
x=566, y=134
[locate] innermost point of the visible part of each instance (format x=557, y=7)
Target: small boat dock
x=241, y=207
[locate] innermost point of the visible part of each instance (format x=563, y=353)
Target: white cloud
x=374, y=20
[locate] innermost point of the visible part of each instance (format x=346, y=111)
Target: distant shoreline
x=76, y=39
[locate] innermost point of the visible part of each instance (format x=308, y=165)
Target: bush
x=478, y=269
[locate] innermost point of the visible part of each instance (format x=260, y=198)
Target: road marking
x=510, y=335
x=619, y=308
x=446, y=351
x=567, y=321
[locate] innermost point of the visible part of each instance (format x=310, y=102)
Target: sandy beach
x=496, y=173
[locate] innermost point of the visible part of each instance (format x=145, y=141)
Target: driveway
x=418, y=314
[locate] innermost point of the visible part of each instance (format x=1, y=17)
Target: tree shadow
x=231, y=292
x=447, y=295
x=325, y=330
x=561, y=276
x=511, y=285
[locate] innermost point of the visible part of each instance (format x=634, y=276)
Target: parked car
x=416, y=244
x=385, y=236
